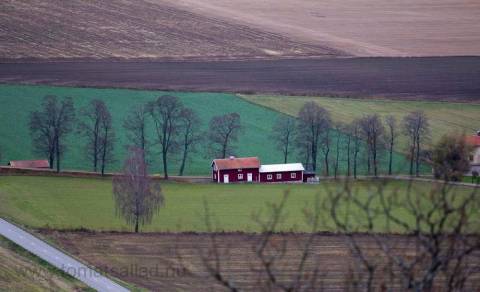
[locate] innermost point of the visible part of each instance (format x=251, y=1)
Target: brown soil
x=329, y=255
x=432, y=79
x=370, y=28
x=49, y=30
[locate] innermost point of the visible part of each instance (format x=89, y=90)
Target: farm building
x=37, y=163
x=250, y=170
x=235, y=169
x=475, y=142
x=290, y=172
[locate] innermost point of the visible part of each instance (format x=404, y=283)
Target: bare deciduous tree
x=416, y=128
x=94, y=115
x=392, y=128
x=190, y=126
x=327, y=139
x=165, y=112
x=136, y=126
x=313, y=121
x=284, y=134
x=355, y=132
x=223, y=130
x=107, y=141
x=137, y=197
x=438, y=231
x=337, y=137
x=302, y=144
x=51, y=125
x=451, y=154
x=373, y=130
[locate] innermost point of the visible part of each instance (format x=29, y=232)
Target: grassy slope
x=443, y=116
x=18, y=100
x=88, y=203
x=21, y=270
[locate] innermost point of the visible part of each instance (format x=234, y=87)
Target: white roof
x=281, y=167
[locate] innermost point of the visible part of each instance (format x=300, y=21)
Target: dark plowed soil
x=329, y=256
x=432, y=79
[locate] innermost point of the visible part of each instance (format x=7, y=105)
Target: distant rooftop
x=36, y=163
x=282, y=167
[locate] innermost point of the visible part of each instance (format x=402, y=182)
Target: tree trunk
x=390, y=160
x=52, y=156
x=418, y=156
x=136, y=223
x=326, y=163
x=355, y=166
x=182, y=167
x=314, y=158
x=165, y=171
x=57, y=150
x=368, y=161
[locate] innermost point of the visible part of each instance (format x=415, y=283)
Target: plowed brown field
x=53, y=30
x=329, y=254
x=432, y=79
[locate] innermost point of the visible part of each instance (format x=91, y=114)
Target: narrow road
x=58, y=259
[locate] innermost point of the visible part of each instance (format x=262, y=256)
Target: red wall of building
x=233, y=175
x=286, y=176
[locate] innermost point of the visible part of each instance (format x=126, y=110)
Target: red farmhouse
x=290, y=172
x=235, y=169
x=249, y=170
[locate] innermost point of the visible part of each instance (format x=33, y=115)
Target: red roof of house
x=237, y=163
x=38, y=163
x=475, y=140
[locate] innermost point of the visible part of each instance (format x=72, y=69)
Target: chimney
x=232, y=156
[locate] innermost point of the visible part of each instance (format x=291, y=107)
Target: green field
x=443, y=116
x=18, y=100
x=57, y=202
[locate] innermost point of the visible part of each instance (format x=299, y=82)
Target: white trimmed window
x=239, y=169
x=279, y=176
x=269, y=176
x=215, y=176
x=293, y=175
x=240, y=176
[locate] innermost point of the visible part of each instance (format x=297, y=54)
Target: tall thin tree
x=137, y=197
x=91, y=127
x=51, y=125
x=165, y=112
x=373, y=130
x=107, y=141
x=313, y=121
x=190, y=126
x=284, y=135
x=416, y=128
x=136, y=126
x=392, y=128
x=355, y=131
x=223, y=131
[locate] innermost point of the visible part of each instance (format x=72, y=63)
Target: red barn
x=289, y=172
x=38, y=163
x=235, y=169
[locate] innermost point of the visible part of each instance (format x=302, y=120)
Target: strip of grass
x=443, y=116
x=20, y=270
x=70, y=203
x=18, y=100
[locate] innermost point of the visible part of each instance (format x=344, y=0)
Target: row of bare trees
x=177, y=131
x=314, y=133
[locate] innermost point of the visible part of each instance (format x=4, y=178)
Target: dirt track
x=433, y=79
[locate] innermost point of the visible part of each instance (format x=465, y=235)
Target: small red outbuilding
x=37, y=163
